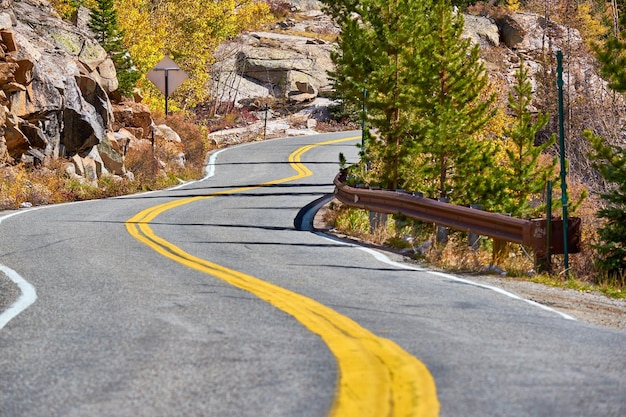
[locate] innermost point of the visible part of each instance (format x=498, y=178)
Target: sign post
x=173, y=77
x=559, y=69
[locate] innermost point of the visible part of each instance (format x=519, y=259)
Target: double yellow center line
x=376, y=376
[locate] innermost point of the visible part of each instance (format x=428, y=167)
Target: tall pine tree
x=610, y=161
x=103, y=23
x=371, y=60
x=524, y=177
x=448, y=109
x=612, y=55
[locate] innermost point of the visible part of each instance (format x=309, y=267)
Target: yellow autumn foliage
x=188, y=31
x=513, y=5
x=590, y=23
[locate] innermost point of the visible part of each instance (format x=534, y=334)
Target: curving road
x=206, y=300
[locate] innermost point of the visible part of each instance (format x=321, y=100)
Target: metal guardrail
x=531, y=233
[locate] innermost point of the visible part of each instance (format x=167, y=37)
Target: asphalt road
x=205, y=300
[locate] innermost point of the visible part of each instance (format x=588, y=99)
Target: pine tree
x=373, y=58
x=448, y=109
x=524, y=176
x=611, y=163
x=424, y=85
x=103, y=22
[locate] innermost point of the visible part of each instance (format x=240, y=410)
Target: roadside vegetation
x=436, y=126
x=25, y=186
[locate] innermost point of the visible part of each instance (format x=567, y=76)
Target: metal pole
x=265, y=125
x=363, y=121
x=559, y=69
x=167, y=89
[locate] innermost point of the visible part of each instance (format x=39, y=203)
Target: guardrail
x=533, y=233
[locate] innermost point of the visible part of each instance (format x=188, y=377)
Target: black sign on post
x=173, y=76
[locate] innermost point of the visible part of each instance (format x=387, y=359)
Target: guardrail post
x=555, y=245
x=474, y=238
x=541, y=244
x=500, y=248
x=442, y=231
x=377, y=221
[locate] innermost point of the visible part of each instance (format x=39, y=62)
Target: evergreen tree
x=524, y=177
x=424, y=85
x=103, y=22
x=448, y=110
x=371, y=59
x=611, y=163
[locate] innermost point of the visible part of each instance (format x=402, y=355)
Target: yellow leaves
x=590, y=24
x=513, y=5
x=63, y=7
x=252, y=14
x=144, y=33
x=187, y=30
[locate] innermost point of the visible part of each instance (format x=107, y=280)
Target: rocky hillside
x=55, y=84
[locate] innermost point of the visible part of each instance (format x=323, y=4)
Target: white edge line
x=384, y=258
x=29, y=295
x=209, y=170
x=23, y=302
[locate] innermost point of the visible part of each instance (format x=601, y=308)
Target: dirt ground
x=590, y=307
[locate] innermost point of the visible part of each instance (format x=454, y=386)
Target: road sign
x=167, y=76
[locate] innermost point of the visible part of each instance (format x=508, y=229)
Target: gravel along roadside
x=590, y=307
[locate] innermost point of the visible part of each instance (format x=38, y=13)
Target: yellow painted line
x=377, y=377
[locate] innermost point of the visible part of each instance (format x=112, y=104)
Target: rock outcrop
x=277, y=66
x=55, y=84
x=56, y=81
x=261, y=64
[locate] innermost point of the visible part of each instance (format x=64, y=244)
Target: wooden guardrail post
x=473, y=239
x=442, y=231
x=377, y=221
x=547, y=242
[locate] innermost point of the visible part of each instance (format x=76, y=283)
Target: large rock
x=55, y=82
x=83, y=124
x=262, y=63
x=481, y=30
x=55, y=78
x=111, y=154
x=135, y=117
x=16, y=141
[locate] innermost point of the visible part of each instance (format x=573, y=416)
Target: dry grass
x=156, y=168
